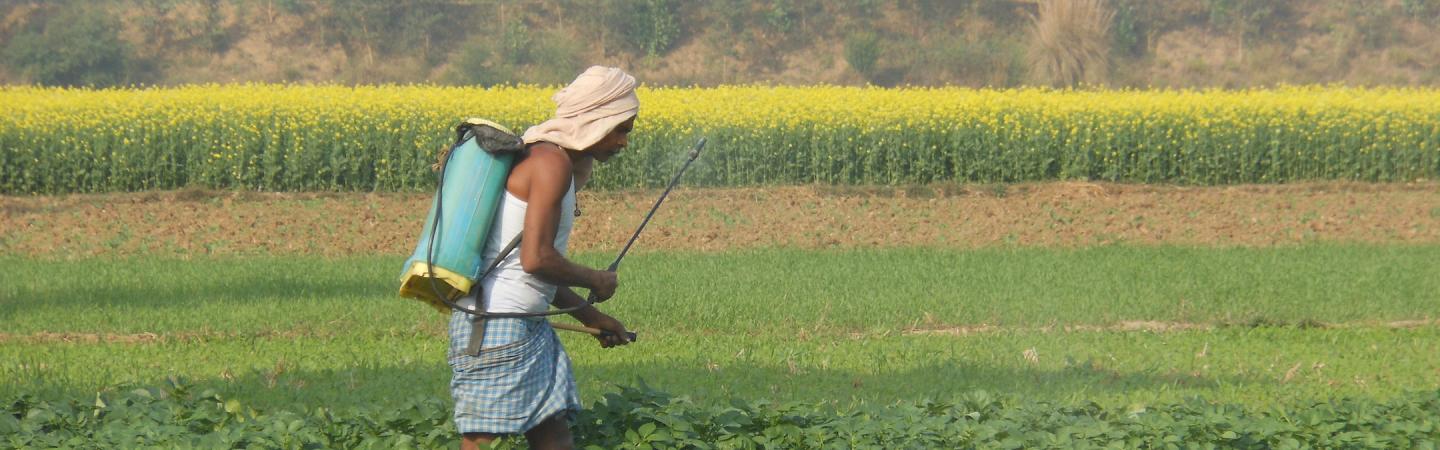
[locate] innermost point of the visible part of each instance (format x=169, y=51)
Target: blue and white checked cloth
x=521, y=377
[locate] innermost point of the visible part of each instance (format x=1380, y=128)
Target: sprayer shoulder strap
x=500, y=257
x=477, y=334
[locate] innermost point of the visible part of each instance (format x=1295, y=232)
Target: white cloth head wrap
x=588, y=109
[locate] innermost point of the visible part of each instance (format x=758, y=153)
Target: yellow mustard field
x=307, y=138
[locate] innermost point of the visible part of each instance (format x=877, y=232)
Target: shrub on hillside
x=649, y=27
x=862, y=52
x=74, y=47
x=515, y=56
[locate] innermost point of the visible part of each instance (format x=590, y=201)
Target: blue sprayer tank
x=472, y=185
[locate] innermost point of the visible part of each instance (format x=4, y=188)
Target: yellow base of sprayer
x=418, y=284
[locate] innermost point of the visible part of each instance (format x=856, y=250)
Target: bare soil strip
x=1064, y=214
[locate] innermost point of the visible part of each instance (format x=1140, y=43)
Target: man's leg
x=475, y=441
x=553, y=433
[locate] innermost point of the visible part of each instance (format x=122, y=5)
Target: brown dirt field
x=1067, y=214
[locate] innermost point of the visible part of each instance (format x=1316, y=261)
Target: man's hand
x=593, y=318
x=617, y=335
x=603, y=284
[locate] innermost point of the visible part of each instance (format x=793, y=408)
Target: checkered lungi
x=521, y=378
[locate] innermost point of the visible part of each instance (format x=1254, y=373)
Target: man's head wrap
x=588, y=109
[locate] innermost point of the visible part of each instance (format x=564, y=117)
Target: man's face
x=612, y=143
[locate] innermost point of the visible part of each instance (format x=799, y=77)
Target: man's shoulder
x=545, y=155
x=546, y=167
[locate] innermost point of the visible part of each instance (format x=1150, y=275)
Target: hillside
x=999, y=43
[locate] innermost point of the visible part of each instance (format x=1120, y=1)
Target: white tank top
x=508, y=289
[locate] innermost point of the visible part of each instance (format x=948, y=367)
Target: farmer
x=521, y=382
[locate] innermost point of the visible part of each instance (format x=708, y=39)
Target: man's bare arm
x=549, y=180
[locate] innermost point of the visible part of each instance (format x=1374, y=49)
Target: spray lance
x=615, y=265
x=590, y=299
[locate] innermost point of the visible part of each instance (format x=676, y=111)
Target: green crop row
x=174, y=416
x=305, y=138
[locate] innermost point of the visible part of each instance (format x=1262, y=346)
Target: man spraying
x=520, y=381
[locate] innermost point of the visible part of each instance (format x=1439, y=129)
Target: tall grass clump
x=1071, y=42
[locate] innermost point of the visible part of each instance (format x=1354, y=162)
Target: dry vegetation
x=1192, y=43
x=1071, y=42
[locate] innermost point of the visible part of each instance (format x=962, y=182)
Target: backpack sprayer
x=463, y=213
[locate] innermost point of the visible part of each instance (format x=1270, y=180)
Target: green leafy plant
x=649, y=27
x=1422, y=9
x=638, y=417
x=1247, y=19
x=862, y=52
x=1127, y=30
